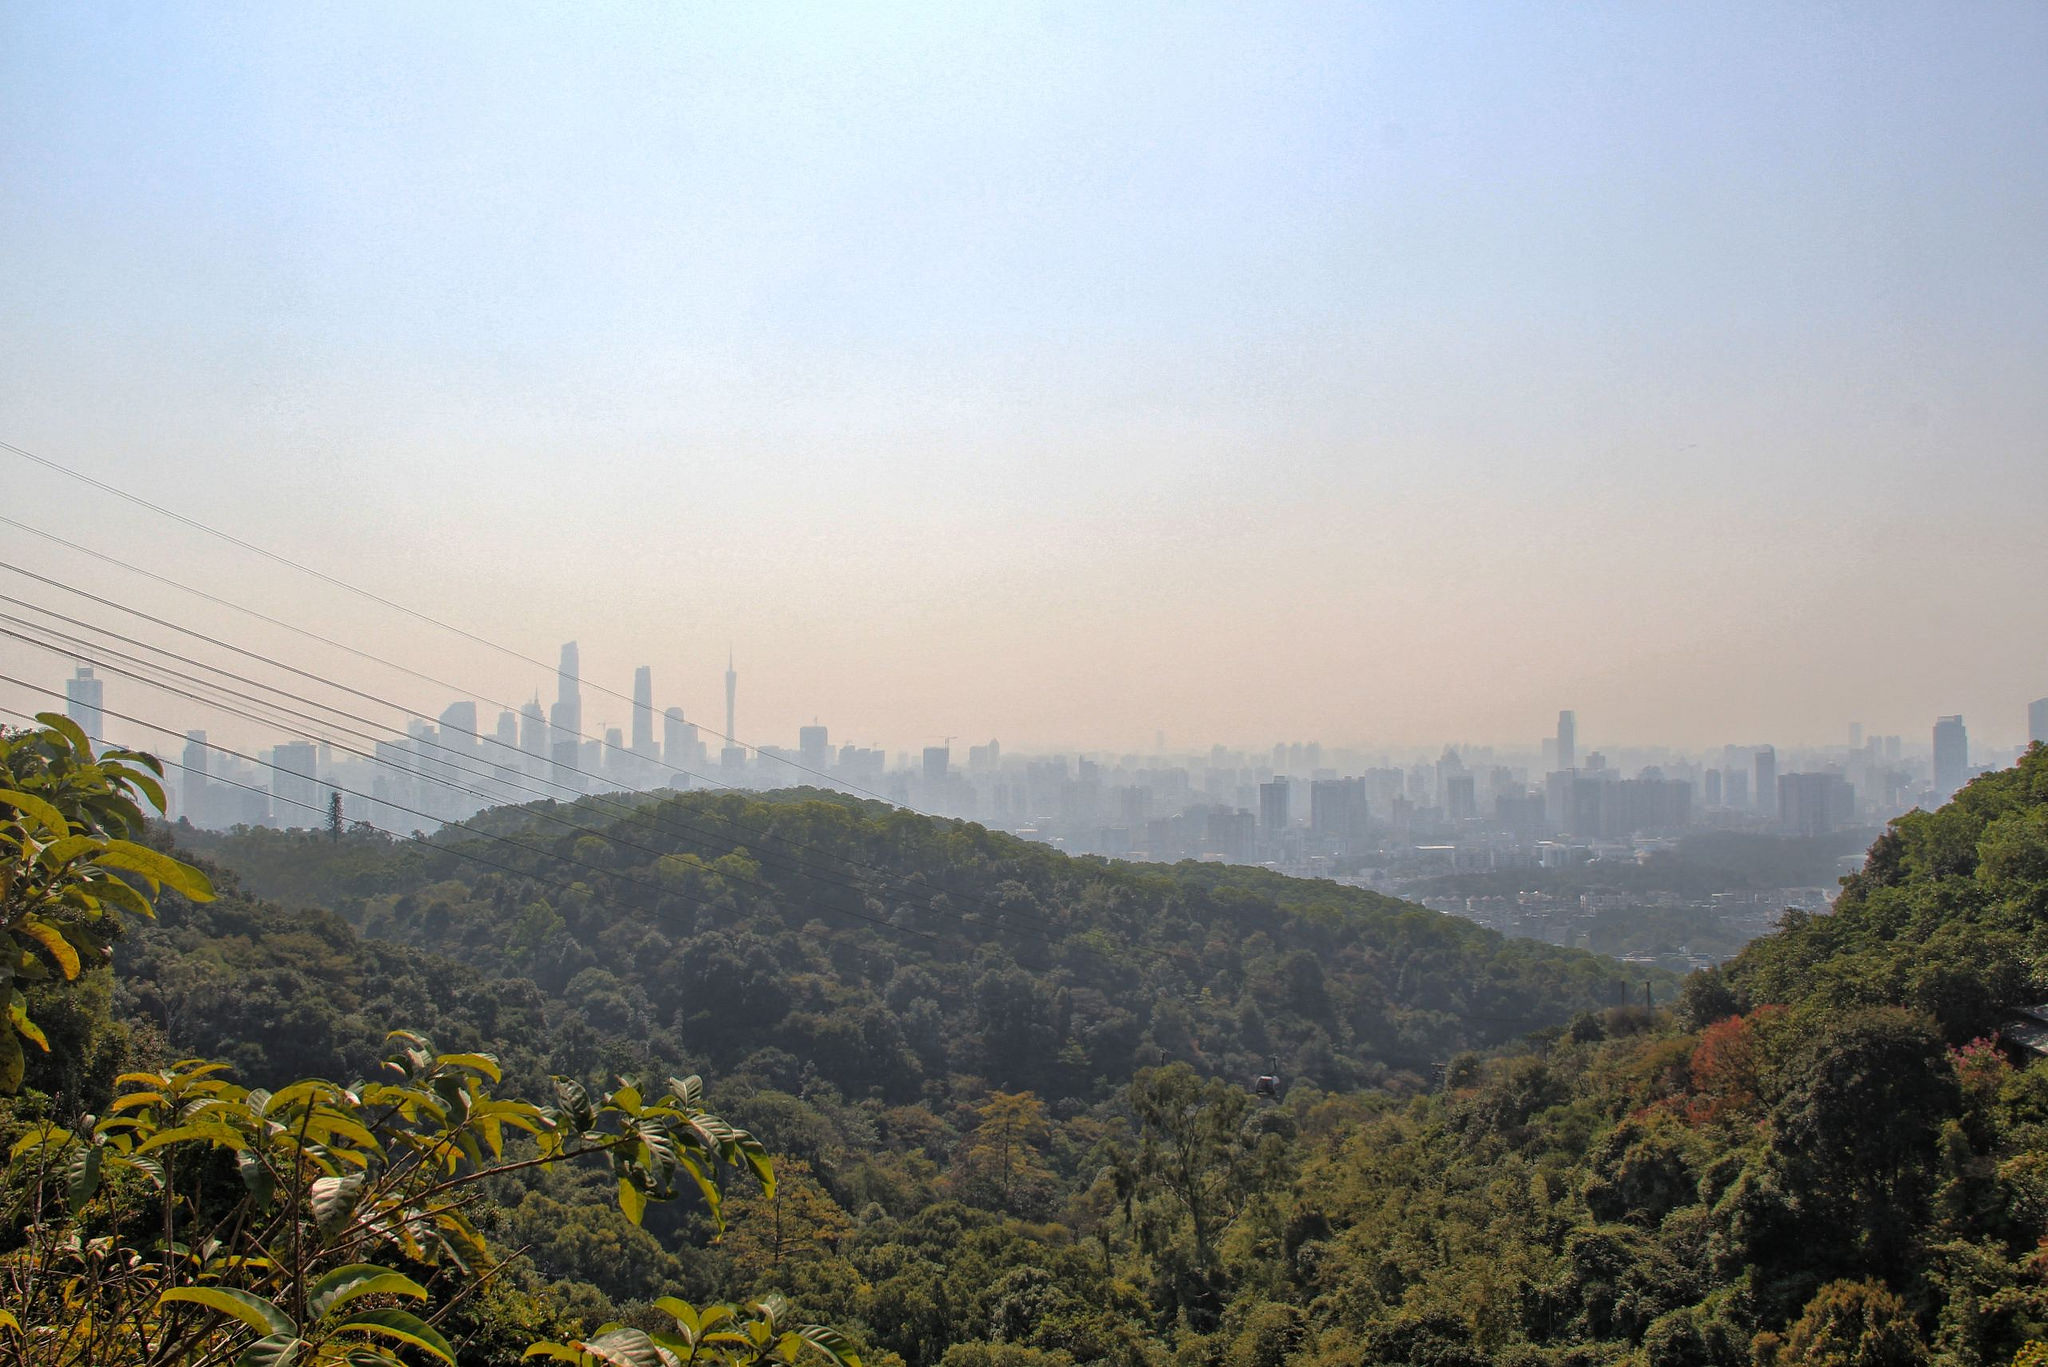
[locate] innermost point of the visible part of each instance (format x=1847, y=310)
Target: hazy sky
x=1374, y=373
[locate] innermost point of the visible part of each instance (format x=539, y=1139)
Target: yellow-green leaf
x=44, y=815
x=50, y=938
x=400, y=1325
x=253, y=1311
x=161, y=868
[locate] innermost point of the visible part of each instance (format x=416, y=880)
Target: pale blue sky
x=1371, y=372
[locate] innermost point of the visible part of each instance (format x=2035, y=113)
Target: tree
x=66, y=861
x=287, y=1227
x=1196, y=1147
x=1853, y=1324
x=1001, y=1161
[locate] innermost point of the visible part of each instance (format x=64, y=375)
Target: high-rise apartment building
x=85, y=702
x=1461, y=800
x=938, y=759
x=1767, y=780
x=295, y=785
x=1337, y=810
x=1814, y=804
x=1951, y=757
x=1567, y=740
x=1273, y=808
x=2037, y=721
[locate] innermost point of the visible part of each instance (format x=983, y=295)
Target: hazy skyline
x=1382, y=375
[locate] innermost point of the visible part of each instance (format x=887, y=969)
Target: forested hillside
x=887, y=954
x=1000, y=1149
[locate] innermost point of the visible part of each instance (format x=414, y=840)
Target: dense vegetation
x=888, y=954
x=1012, y=1108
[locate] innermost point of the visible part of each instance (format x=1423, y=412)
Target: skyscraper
x=679, y=744
x=192, y=784
x=814, y=750
x=533, y=730
x=2037, y=721
x=1767, y=780
x=565, y=721
x=1273, y=808
x=1567, y=740
x=1951, y=757
x=84, y=699
x=295, y=785
x=567, y=715
x=732, y=688
x=643, y=712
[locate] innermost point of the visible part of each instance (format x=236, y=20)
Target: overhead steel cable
x=150, y=674
x=409, y=711
x=539, y=852
x=234, y=710
x=317, y=728
x=370, y=596
x=474, y=858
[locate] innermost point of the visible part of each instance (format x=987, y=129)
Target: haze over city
x=1390, y=376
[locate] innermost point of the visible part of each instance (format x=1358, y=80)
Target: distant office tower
x=1273, y=807
x=1951, y=757
x=1767, y=780
x=984, y=759
x=533, y=730
x=566, y=717
x=1461, y=802
x=680, y=749
x=1815, y=804
x=2037, y=721
x=937, y=760
x=458, y=732
x=192, y=782
x=1735, y=788
x=1567, y=740
x=813, y=750
x=732, y=689
x=507, y=737
x=565, y=721
x=1337, y=810
x=643, y=712
x=295, y=785
x=84, y=702
x=1711, y=789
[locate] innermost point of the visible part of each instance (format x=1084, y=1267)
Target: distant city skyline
x=1384, y=373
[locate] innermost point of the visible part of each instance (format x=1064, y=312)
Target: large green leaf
x=345, y=1284
x=82, y=1173
x=333, y=1198
x=401, y=1325
x=272, y=1350
x=51, y=939
x=180, y=877
x=71, y=732
x=45, y=816
x=253, y=1311
x=624, y=1347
